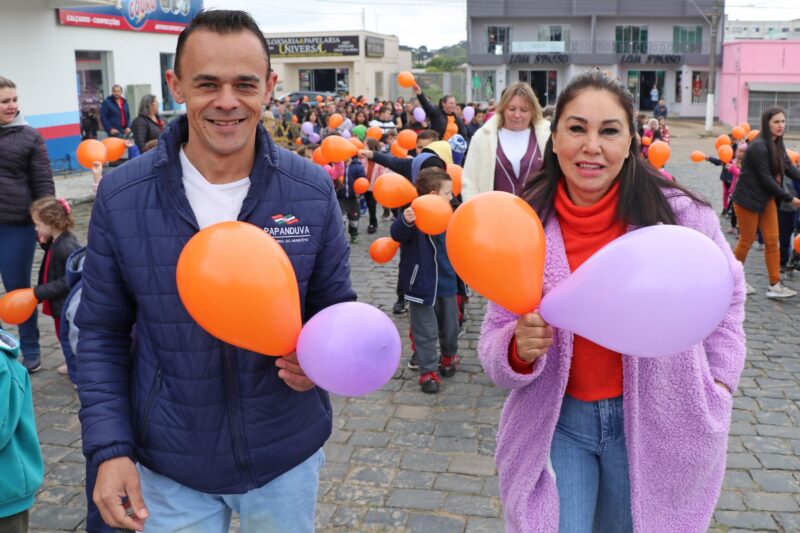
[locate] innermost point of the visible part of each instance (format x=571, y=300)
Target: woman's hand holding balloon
x=291, y=373
x=533, y=337
x=409, y=216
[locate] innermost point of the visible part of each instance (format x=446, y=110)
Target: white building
x=762, y=29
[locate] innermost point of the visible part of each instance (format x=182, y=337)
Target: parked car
x=312, y=96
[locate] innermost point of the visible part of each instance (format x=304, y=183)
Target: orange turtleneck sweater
x=596, y=372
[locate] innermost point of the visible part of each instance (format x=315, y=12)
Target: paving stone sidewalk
x=403, y=461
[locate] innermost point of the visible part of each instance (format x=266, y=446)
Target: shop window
x=699, y=87
x=499, y=39
x=168, y=102
x=94, y=85
x=678, y=86
x=687, y=39
x=544, y=84
x=379, y=83
x=631, y=39
x=482, y=85
x=306, y=78
x=554, y=33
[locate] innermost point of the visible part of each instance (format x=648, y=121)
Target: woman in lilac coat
x=651, y=458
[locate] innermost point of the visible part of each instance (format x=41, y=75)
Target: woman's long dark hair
x=642, y=199
x=776, y=148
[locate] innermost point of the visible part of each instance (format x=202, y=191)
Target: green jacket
x=20, y=457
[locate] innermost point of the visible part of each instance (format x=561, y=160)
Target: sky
x=433, y=23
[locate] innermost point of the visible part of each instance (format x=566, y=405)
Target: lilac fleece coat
x=676, y=417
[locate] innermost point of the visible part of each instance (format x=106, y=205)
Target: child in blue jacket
x=430, y=286
x=21, y=466
x=348, y=199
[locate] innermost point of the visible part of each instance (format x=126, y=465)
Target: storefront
x=357, y=63
x=81, y=52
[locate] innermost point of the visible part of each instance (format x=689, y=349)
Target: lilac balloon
x=469, y=113
x=349, y=349
x=419, y=114
x=653, y=292
x=307, y=128
x=314, y=137
x=347, y=124
x=346, y=134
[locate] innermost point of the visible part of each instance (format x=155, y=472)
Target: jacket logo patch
x=287, y=229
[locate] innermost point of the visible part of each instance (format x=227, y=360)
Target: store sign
x=153, y=16
x=374, y=47
x=640, y=59
x=538, y=59
x=313, y=46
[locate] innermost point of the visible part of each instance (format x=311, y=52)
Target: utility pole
x=712, y=67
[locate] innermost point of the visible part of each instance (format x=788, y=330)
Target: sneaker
x=447, y=366
x=386, y=213
x=353, y=239
x=779, y=291
x=749, y=289
x=429, y=382
x=62, y=369
x=372, y=229
x=33, y=365
x=412, y=363
x=399, y=307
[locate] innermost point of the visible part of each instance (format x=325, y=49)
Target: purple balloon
x=347, y=124
x=653, y=292
x=346, y=134
x=469, y=113
x=419, y=114
x=349, y=349
x=307, y=128
x=314, y=137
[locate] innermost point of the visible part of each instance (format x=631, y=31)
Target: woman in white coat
x=509, y=147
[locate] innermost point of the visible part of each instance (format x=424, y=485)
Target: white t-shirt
x=515, y=144
x=212, y=203
x=389, y=125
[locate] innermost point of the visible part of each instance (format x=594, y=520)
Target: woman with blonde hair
x=509, y=147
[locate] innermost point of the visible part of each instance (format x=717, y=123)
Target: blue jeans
x=285, y=504
x=591, y=466
x=16, y=263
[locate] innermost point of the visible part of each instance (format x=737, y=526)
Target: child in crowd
x=21, y=465
x=348, y=199
x=430, y=286
x=53, y=219
x=373, y=171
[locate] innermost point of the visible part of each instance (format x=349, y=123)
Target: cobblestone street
x=403, y=461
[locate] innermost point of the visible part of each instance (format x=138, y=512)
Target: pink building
x=757, y=75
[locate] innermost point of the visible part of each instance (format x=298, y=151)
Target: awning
x=765, y=87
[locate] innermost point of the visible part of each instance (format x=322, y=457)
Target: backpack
x=69, y=332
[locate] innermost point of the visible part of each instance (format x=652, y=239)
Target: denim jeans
x=591, y=466
x=16, y=264
x=285, y=504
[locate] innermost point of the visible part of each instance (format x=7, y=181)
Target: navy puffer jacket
x=210, y=416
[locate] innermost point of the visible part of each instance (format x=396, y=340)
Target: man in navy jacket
x=115, y=115
x=199, y=416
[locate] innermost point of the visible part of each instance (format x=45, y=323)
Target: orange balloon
x=646, y=141
x=658, y=154
x=725, y=153
x=335, y=120
x=433, y=213
x=115, y=147
x=238, y=284
x=406, y=79
x=298, y=141
x=738, y=133
x=355, y=141
x=752, y=135
x=698, y=156
x=336, y=148
x=374, y=132
x=319, y=98
x=792, y=156
x=797, y=244
x=361, y=185
x=17, y=306
x=407, y=139
x=318, y=157
x=393, y=190
x=746, y=127
x=398, y=151
x=91, y=150
x=506, y=270
x=722, y=140
x=455, y=173
x=294, y=119
x=382, y=250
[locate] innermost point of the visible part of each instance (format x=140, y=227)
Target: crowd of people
x=180, y=429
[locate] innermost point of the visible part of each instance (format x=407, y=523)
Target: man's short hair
x=222, y=21
x=428, y=134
